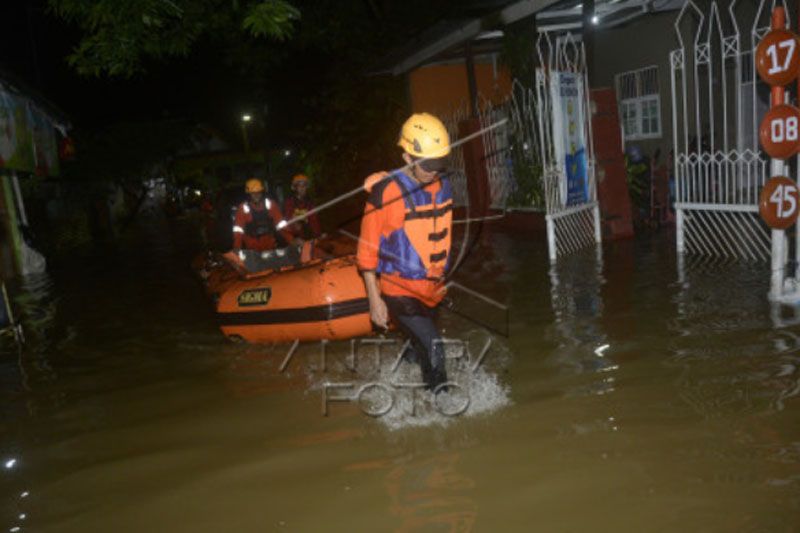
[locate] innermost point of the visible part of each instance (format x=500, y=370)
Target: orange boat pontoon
x=306, y=301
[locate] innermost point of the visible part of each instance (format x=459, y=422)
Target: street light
x=245, y=119
x=287, y=152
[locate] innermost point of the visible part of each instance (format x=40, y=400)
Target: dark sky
x=34, y=46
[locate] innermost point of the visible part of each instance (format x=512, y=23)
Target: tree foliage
x=118, y=37
x=323, y=98
x=352, y=116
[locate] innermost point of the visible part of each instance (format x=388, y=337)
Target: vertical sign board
x=8, y=137
x=11, y=153
x=569, y=135
x=27, y=137
x=777, y=62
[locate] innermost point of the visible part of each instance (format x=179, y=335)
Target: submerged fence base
x=735, y=232
x=572, y=229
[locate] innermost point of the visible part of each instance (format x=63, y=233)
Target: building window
x=639, y=104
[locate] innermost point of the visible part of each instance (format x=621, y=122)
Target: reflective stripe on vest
x=261, y=222
x=421, y=248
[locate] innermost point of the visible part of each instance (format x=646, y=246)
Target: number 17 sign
x=777, y=58
x=779, y=202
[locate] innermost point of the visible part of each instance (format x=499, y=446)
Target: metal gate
x=573, y=220
x=717, y=106
x=497, y=143
x=541, y=122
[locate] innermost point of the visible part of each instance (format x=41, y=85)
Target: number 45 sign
x=779, y=202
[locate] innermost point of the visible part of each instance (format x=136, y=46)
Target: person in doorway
x=258, y=224
x=404, y=246
x=298, y=205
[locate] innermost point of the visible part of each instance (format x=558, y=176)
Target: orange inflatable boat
x=317, y=298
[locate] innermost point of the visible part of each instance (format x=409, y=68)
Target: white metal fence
x=496, y=143
x=571, y=225
x=513, y=154
x=717, y=106
x=457, y=174
x=522, y=161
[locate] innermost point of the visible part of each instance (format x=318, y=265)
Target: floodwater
x=629, y=395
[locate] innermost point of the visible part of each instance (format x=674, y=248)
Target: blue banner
x=569, y=135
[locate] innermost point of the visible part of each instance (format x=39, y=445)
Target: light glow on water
x=693, y=412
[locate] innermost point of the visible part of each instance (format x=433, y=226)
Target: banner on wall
x=27, y=137
x=569, y=135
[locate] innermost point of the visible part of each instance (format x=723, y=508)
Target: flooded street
x=628, y=396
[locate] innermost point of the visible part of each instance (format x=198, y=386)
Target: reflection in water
x=15, y=509
x=636, y=398
x=715, y=329
x=35, y=304
x=576, y=284
x=431, y=493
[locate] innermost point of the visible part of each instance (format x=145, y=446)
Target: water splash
x=475, y=393
x=393, y=393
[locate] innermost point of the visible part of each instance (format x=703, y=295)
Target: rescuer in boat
x=258, y=224
x=297, y=205
x=404, y=247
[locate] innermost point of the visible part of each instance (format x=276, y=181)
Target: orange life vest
x=421, y=248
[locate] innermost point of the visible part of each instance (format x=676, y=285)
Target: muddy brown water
x=629, y=395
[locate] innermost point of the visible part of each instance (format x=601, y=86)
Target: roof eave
x=468, y=31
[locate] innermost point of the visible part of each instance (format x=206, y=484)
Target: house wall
x=648, y=41
x=441, y=88
x=644, y=42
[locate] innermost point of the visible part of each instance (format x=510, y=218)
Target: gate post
x=778, y=262
x=778, y=167
x=679, y=230
x=551, y=238
x=598, y=232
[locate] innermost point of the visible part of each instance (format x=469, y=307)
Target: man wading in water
x=404, y=248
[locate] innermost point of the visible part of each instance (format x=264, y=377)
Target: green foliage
x=120, y=36
x=348, y=122
x=637, y=175
x=519, y=55
x=271, y=19
x=343, y=124
x=529, y=190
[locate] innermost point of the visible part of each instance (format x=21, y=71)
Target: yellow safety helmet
x=253, y=185
x=424, y=135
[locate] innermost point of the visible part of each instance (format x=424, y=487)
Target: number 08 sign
x=779, y=131
x=779, y=202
